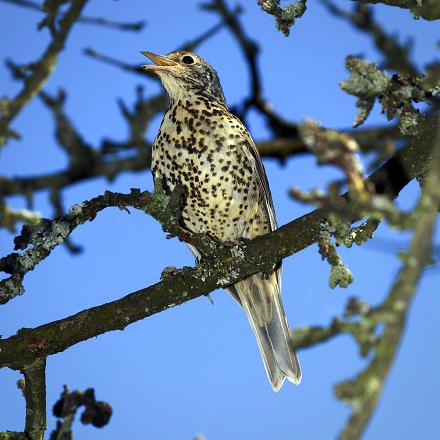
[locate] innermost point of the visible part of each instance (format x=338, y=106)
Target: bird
x=207, y=151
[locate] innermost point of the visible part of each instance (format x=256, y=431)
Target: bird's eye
x=187, y=59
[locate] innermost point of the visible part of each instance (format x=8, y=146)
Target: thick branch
x=35, y=395
x=229, y=266
x=58, y=230
x=42, y=238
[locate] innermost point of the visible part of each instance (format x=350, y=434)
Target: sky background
x=196, y=368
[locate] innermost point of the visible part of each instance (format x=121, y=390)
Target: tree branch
x=427, y=9
x=12, y=435
x=52, y=233
x=41, y=69
x=135, y=26
x=35, y=395
x=134, y=68
x=96, y=413
x=229, y=266
x=397, y=56
x=42, y=238
x=364, y=391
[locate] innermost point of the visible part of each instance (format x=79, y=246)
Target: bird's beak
x=160, y=62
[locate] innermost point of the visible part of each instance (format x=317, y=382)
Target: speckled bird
x=205, y=149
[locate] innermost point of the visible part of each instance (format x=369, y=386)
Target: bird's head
x=185, y=74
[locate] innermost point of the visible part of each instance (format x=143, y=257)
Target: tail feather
x=274, y=373
x=279, y=334
x=270, y=327
x=260, y=297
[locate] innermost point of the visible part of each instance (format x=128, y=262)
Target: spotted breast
x=202, y=148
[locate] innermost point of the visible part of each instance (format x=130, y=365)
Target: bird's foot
x=208, y=295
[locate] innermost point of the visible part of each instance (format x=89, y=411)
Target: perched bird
x=207, y=151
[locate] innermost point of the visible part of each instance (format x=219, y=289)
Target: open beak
x=160, y=62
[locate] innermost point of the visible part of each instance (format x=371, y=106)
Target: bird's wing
x=251, y=152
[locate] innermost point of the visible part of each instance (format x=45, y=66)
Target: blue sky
x=196, y=368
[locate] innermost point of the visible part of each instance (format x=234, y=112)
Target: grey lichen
x=366, y=82
x=76, y=210
x=396, y=93
x=160, y=199
x=409, y=123
x=340, y=274
x=341, y=230
x=284, y=16
x=228, y=278
x=4, y=107
x=237, y=252
x=11, y=287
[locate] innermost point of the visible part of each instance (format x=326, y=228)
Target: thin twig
x=396, y=54
x=135, y=68
x=41, y=69
x=134, y=26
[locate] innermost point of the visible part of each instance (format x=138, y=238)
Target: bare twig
x=95, y=412
x=40, y=69
x=134, y=68
x=397, y=55
x=250, y=51
x=135, y=26
x=80, y=154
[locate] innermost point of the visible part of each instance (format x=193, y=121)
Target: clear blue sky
x=196, y=368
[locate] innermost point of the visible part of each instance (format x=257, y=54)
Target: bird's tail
x=260, y=297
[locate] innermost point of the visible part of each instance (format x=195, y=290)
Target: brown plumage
x=206, y=150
